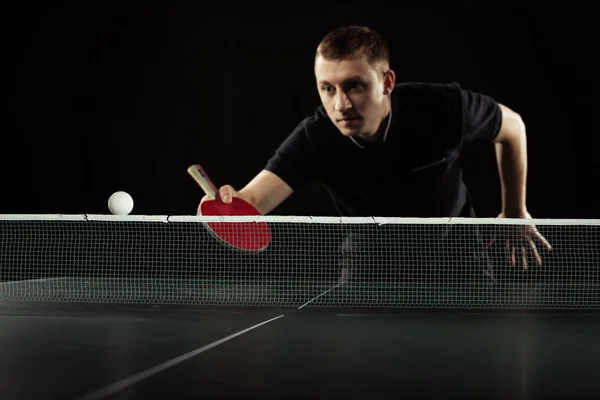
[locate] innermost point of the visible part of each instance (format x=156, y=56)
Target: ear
x=389, y=80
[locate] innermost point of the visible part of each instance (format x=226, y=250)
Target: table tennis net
x=310, y=262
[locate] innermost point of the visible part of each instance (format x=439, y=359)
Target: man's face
x=353, y=94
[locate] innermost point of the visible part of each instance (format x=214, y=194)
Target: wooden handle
x=203, y=180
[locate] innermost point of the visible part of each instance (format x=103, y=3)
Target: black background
x=125, y=97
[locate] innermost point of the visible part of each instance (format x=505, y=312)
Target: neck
x=381, y=133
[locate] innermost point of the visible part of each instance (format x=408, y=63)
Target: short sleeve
x=482, y=117
x=294, y=159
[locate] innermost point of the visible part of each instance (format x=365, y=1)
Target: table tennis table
x=132, y=324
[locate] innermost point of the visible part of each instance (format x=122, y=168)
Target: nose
x=342, y=102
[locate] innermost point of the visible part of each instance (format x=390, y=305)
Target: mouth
x=349, y=119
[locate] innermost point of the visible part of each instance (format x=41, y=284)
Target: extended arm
x=511, y=156
x=266, y=191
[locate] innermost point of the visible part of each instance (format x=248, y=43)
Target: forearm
x=266, y=191
x=261, y=203
x=511, y=156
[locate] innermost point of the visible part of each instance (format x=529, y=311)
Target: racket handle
x=203, y=180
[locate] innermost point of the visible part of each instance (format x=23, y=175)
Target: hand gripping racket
x=249, y=236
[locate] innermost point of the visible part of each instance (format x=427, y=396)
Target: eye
x=328, y=89
x=356, y=86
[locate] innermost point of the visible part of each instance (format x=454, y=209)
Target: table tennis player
x=382, y=148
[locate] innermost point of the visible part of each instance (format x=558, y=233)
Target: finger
x=536, y=253
x=543, y=241
x=514, y=257
x=524, y=255
x=226, y=193
x=511, y=252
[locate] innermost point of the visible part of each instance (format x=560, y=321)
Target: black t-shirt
x=416, y=172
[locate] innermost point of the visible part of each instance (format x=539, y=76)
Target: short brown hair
x=354, y=40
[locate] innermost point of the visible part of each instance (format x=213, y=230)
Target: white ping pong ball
x=120, y=203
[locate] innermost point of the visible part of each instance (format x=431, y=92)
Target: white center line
x=324, y=293
x=123, y=383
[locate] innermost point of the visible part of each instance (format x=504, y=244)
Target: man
x=387, y=149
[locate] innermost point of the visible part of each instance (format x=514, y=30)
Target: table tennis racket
x=249, y=236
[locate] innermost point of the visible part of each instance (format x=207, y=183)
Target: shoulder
x=316, y=122
x=448, y=96
x=426, y=94
x=433, y=105
x=316, y=127
x=311, y=133
x=451, y=107
x=427, y=87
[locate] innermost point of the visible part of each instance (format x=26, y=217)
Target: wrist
x=515, y=212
